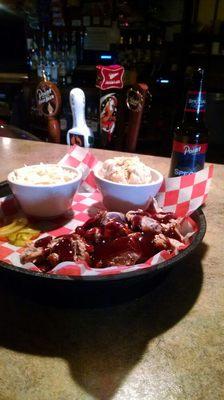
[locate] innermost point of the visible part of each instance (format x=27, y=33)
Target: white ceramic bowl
x=125, y=197
x=45, y=201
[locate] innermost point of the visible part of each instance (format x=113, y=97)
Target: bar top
x=15, y=153
x=165, y=345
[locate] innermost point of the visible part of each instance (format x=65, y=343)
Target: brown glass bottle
x=191, y=135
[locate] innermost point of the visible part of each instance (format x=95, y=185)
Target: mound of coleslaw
x=43, y=174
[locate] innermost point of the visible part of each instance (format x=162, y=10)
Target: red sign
x=109, y=77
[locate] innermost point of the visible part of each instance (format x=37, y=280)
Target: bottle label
x=189, y=149
x=189, y=158
x=196, y=102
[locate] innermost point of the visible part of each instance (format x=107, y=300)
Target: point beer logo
x=189, y=149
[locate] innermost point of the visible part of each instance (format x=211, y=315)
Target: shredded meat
x=110, y=238
x=48, y=252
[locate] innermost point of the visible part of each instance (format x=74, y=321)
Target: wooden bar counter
x=165, y=345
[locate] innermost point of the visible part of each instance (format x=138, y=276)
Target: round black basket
x=95, y=290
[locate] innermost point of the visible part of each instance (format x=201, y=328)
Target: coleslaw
x=43, y=174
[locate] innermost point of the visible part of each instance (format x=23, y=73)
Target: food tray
x=90, y=290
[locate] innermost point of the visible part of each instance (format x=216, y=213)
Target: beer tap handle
x=80, y=133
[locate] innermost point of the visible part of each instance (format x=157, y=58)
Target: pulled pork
x=109, y=239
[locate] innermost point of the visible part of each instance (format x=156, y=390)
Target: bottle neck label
x=196, y=102
x=190, y=148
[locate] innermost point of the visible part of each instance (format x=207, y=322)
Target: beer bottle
x=191, y=135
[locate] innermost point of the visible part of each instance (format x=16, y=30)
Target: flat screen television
x=12, y=42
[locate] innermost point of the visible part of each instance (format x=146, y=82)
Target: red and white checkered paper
x=181, y=195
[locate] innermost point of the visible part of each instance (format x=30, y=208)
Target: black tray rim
x=198, y=216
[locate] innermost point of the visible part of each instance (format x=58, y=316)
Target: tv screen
x=12, y=42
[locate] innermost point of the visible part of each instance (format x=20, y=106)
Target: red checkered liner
x=185, y=194
x=181, y=195
x=85, y=160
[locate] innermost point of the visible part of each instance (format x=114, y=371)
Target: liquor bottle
x=40, y=66
x=191, y=135
x=139, y=50
x=54, y=68
x=29, y=42
x=121, y=51
x=80, y=39
x=50, y=43
x=32, y=57
x=148, y=55
x=41, y=58
x=48, y=64
x=130, y=52
x=62, y=69
x=71, y=65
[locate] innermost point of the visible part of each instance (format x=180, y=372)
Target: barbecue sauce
x=101, y=242
x=64, y=249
